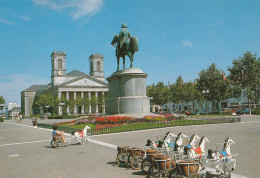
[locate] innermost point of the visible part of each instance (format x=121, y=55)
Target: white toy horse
x=81, y=137
x=224, y=156
x=180, y=140
x=194, y=141
x=197, y=152
x=167, y=138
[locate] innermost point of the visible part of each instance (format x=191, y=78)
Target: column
x=82, y=107
x=75, y=107
x=103, y=104
x=97, y=103
x=59, y=106
x=68, y=98
x=89, y=108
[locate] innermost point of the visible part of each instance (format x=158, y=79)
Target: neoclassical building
x=70, y=85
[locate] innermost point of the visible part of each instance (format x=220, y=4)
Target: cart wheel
x=153, y=172
x=122, y=159
x=136, y=162
x=53, y=144
x=83, y=141
x=226, y=171
x=145, y=165
x=169, y=173
x=174, y=174
x=194, y=175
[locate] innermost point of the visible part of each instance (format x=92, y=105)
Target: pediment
x=85, y=81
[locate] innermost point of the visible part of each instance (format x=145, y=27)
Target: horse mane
x=166, y=135
x=178, y=136
x=226, y=142
x=201, y=140
x=191, y=138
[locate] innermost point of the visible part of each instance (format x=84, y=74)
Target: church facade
x=72, y=85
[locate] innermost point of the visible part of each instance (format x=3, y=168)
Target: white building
x=70, y=85
x=12, y=110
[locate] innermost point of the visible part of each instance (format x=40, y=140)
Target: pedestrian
x=18, y=118
x=21, y=118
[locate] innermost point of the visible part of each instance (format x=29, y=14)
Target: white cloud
x=217, y=24
x=79, y=8
x=187, y=43
x=7, y=22
x=12, y=85
x=25, y=18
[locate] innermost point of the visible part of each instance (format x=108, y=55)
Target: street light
x=206, y=92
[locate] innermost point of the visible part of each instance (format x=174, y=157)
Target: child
x=57, y=135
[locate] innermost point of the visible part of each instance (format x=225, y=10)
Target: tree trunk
x=249, y=106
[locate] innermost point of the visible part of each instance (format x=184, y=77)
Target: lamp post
x=206, y=92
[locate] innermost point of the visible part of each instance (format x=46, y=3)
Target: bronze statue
x=125, y=45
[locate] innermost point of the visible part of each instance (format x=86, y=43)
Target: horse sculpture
x=180, y=140
x=128, y=49
x=81, y=136
x=225, y=157
x=196, y=152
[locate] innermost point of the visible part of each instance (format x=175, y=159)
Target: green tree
x=45, y=99
x=212, y=80
x=177, y=91
x=150, y=90
x=94, y=102
x=245, y=73
x=191, y=93
x=2, y=102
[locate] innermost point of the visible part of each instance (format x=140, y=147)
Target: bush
x=2, y=120
x=257, y=111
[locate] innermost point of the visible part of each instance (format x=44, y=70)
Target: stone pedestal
x=127, y=93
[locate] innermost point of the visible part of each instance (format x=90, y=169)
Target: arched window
x=98, y=66
x=59, y=63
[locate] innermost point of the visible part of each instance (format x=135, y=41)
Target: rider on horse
x=124, y=36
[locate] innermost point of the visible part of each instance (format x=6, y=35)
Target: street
x=26, y=151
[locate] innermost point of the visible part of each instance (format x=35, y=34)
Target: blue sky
x=176, y=37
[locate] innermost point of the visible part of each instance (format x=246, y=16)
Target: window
x=98, y=66
x=59, y=63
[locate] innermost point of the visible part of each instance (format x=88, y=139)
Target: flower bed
x=105, y=122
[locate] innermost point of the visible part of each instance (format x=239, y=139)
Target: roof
x=37, y=88
x=75, y=73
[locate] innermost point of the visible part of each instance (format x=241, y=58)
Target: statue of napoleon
x=125, y=45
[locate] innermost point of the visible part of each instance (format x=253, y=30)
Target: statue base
x=127, y=93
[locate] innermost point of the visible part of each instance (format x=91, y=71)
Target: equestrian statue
x=125, y=45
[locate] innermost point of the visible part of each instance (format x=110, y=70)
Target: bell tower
x=96, y=66
x=58, y=66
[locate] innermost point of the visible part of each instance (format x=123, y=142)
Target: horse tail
x=134, y=44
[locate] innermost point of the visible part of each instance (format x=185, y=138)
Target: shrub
x=2, y=120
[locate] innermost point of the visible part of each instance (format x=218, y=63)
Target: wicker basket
x=164, y=162
x=187, y=167
x=151, y=154
x=123, y=149
x=137, y=152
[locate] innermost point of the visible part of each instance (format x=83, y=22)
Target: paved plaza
x=26, y=151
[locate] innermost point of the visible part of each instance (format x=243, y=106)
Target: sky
x=176, y=37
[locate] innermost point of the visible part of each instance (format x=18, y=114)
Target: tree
x=212, y=80
x=245, y=73
x=45, y=99
x=176, y=91
x=191, y=93
x=159, y=93
x=2, y=102
x=94, y=102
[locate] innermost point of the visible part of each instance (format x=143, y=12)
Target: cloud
x=7, y=21
x=79, y=8
x=12, y=85
x=187, y=43
x=217, y=24
x=25, y=17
